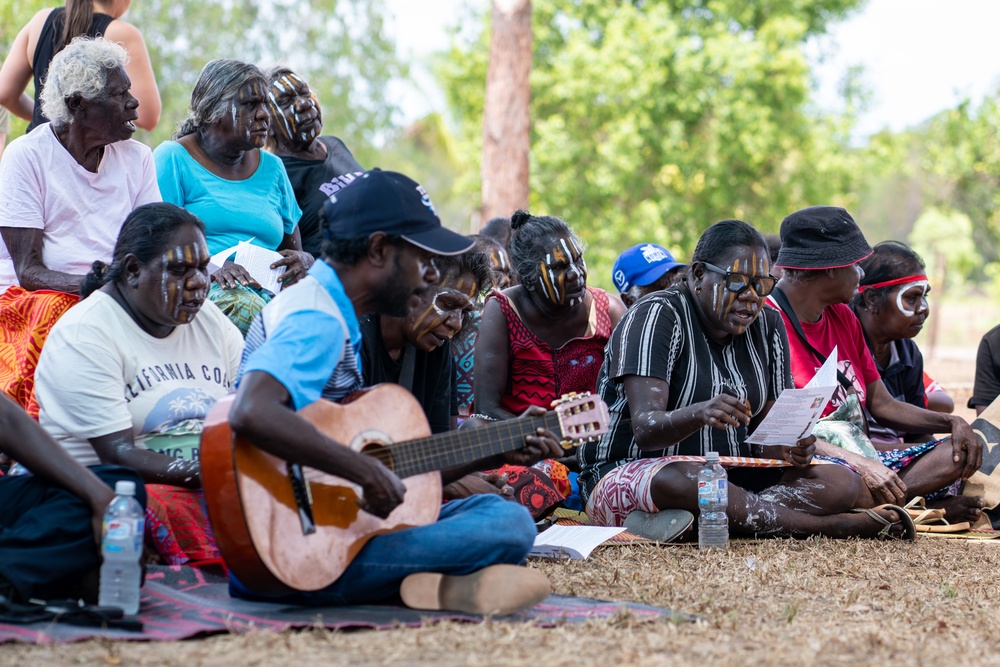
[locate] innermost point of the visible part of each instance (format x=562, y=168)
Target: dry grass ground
x=776, y=602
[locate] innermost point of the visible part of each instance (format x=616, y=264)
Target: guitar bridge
x=303, y=498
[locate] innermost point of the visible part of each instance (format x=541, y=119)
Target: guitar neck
x=455, y=448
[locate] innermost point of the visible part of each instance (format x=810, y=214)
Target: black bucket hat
x=821, y=237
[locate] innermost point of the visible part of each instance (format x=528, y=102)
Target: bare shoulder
x=33, y=29
x=122, y=31
x=616, y=308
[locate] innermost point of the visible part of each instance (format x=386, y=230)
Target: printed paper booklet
x=574, y=542
x=256, y=260
x=796, y=411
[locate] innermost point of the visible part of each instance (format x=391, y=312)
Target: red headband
x=890, y=283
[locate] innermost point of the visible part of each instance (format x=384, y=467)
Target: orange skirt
x=26, y=318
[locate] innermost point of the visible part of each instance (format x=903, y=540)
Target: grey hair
x=82, y=69
x=218, y=83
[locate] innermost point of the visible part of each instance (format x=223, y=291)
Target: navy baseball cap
x=642, y=265
x=389, y=202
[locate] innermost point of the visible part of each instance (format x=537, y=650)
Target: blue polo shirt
x=308, y=339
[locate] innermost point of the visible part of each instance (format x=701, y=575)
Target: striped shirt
x=662, y=337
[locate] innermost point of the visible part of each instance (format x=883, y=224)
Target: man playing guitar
x=381, y=238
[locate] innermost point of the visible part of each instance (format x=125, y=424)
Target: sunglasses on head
x=737, y=283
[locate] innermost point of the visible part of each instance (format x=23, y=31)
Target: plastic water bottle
x=713, y=497
x=121, y=548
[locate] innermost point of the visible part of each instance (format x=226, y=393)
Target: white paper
x=826, y=376
x=571, y=541
x=795, y=413
x=256, y=260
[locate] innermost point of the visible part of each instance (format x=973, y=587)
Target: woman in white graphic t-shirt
x=128, y=375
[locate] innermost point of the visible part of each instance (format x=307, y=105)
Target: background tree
x=652, y=120
x=339, y=46
x=506, y=115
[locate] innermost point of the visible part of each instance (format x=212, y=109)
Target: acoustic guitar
x=283, y=527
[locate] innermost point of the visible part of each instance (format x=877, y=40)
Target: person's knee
x=844, y=484
x=675, y=486
x=512, y=531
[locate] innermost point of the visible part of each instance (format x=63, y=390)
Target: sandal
x=920, y=513
x=932, y=520
x=665, y=526
x=905, y=521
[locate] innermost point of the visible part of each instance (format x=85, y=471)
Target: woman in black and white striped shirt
x=694, y=369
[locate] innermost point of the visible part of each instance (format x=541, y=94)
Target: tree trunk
x=506, y=143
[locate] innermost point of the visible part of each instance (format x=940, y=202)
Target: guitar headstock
x=582, y=418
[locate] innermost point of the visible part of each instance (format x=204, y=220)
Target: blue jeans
x=469, y=535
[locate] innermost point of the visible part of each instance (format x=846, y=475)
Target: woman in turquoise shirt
x=216, y=170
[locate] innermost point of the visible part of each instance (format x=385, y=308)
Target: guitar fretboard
x=455, y=448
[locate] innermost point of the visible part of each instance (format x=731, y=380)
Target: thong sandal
x=929, y=520
x=665, y=526
x=921, y=514
x=905, y=520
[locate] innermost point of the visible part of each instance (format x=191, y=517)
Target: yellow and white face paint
x=562, y=273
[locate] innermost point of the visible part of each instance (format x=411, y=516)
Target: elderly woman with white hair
x=65, y=188
x=215, y=169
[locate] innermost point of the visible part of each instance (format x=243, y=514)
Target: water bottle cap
x=712, y=456
x=124, y=487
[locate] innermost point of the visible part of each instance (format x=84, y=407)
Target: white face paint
x=908, y=286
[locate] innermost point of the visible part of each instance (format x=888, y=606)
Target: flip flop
x=944, y=527
x=922, y=514
x=905, y=520
x=665, y=526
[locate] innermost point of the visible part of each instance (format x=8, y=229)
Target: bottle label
x=713, y=492
x=123, y=534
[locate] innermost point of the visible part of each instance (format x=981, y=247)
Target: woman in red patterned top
x=544, y=337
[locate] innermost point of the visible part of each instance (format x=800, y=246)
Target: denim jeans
x=469, y=535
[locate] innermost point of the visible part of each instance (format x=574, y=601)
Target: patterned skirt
x=26, y=318
x=240, y=304
x=177, y=526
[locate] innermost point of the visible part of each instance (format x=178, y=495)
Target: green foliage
x=652, y=120
x=944, y=239
x=339, y=46
x=426, y=150
x=949, y=162
x=13, y=15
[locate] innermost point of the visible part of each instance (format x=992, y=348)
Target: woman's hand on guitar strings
x=383, y=490
x=543, y=444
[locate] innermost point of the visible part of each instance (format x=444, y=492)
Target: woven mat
x=182, y=602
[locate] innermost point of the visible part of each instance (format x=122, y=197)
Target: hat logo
x=652, y=254
x=425, y=199
x=620, y=280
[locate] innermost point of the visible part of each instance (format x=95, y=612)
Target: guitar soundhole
x=382, y=454
x=373, y=442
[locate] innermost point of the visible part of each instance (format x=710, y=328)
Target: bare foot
x=959, y=508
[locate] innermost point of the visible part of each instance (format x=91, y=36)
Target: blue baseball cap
x=389, y=202
x=642, y=265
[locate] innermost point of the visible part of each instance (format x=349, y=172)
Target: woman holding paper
x=822, y=248
x=696, y=369
x=128, y=375
x=215, y=169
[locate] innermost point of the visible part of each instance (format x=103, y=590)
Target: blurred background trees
x=650, y=119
